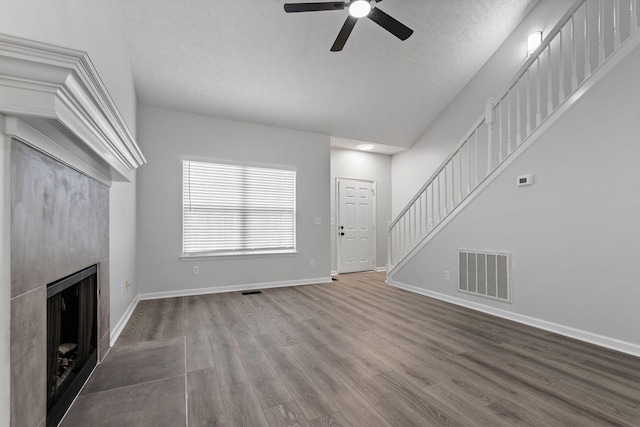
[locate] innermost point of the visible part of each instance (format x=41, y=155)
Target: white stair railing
x=576, y=47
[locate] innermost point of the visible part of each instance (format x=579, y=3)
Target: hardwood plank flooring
x=357, y=352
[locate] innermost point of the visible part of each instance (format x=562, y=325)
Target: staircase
x=590, y=40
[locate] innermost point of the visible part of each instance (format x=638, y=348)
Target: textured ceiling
x=249, y=60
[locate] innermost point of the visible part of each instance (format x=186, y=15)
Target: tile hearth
x=137, y=384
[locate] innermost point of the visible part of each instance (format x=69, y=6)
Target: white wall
x=5, y=275
x=412, y=168
x=166, y=136
x=574, y=234
x=367, y=166
x=122, y=248
x=96, y=27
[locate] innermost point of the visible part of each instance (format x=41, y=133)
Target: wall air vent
x=487, y=274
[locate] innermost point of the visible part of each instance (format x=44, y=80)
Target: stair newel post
x=633, y=11
x=490, y=119
x=389, y=246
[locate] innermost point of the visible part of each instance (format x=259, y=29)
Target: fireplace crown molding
x=58, y=91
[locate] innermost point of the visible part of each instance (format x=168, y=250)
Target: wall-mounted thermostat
x=525, y=180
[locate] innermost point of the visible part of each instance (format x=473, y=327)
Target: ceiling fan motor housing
x=357, y=9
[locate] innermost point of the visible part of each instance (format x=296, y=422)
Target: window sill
x=234, y=255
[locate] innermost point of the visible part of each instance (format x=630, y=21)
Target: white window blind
x=232, y=208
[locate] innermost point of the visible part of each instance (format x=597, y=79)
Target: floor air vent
x=485, y=273
x=251, y=292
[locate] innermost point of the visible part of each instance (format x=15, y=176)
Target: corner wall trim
x=567, y=331
x=117, y=330
x=233, y=288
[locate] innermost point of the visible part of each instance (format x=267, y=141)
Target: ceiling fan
x=357, y=9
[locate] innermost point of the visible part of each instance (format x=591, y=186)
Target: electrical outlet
x=312, y=263
x=196, y=269
x=447, y=275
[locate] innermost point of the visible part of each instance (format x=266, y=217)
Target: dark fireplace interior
x=71, y=339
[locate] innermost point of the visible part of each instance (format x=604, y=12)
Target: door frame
x=373, y=218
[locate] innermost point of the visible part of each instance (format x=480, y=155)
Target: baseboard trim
x=233, y=288
x=381, y=270
x=117, y=330
x=589, y=337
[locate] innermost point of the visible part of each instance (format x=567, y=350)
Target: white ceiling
x=248, y=60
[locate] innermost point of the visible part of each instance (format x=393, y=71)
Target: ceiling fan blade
x=390, y=24
x=344, y=33
x=313, y=7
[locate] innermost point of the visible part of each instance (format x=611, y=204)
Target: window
x=235, y=209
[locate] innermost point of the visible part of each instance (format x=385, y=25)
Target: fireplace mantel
x=58, y=92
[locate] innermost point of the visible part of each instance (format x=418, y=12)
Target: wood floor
x=360, y=353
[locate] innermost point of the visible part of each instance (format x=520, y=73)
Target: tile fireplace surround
x=60, y=225
x=62, y=144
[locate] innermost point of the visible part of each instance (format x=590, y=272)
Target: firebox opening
x=71, y=339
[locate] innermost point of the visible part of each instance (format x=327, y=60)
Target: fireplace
x=63, y=142
x=71, y=339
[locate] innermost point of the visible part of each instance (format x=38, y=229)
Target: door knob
x=342, y=234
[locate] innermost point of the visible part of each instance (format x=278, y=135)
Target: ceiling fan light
x=359, y=8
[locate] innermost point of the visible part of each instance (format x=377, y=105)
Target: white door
x=356, y=225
